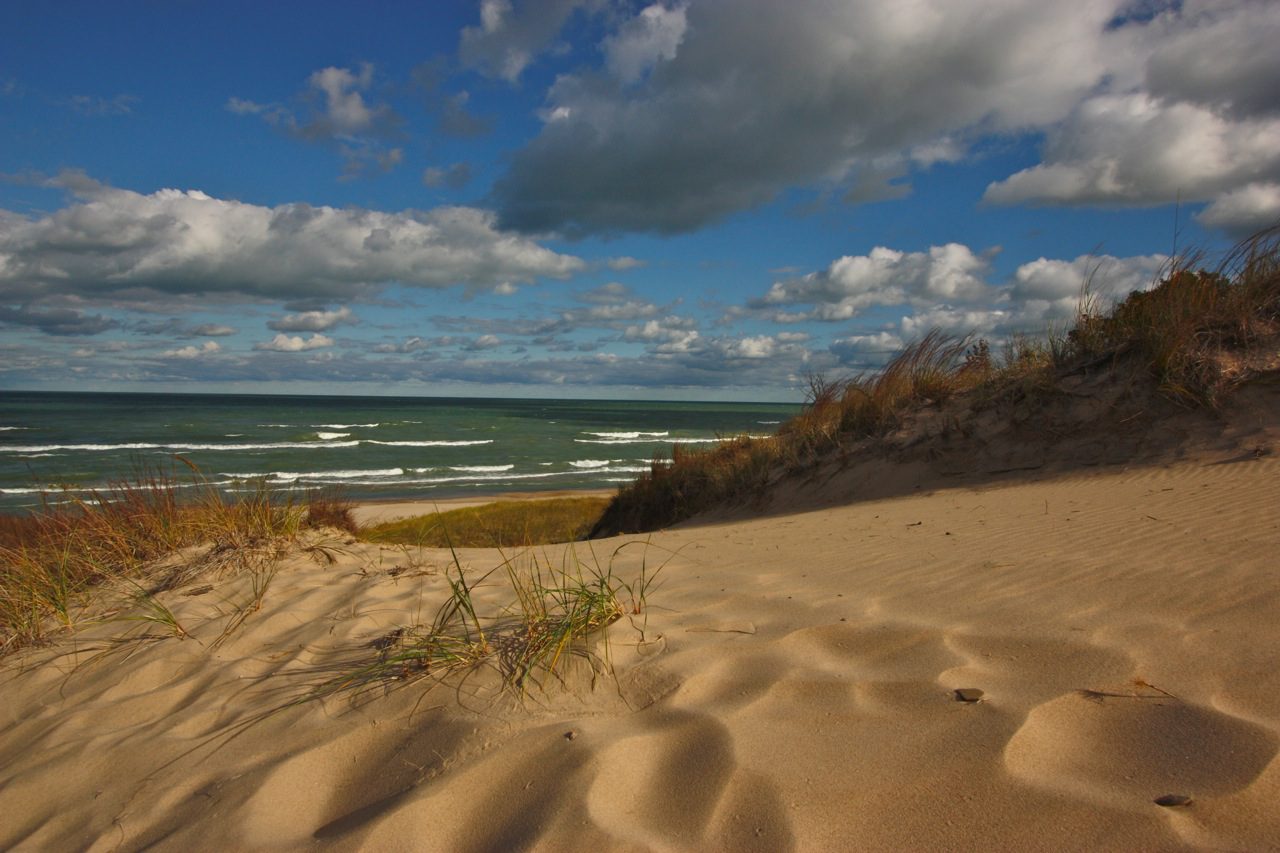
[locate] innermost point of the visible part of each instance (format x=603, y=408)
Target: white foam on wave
x=590, y=463
x=330, y=436
x=768, y=423
x=620, y=440
x=274, y=445
x=344, y=426
x=628, y=435
x=10, y=428
x=292, y=476
x=429, y=443
x=472, y=478
x=481, y=469
x=106, y=492
x=677, y=440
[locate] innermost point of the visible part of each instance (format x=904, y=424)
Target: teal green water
x=373, y=447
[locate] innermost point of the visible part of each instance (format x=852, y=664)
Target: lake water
x=373, y=447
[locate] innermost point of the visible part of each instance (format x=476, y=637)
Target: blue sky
x=708, y=199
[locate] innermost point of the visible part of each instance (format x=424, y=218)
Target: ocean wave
x=10, y=428
x=275, y=445
x=106, y=490
x=291, y=476
x=676, y=440
x=344, y=426
x=330, y=436
x=768, y=423
x=628, y=435
x=428, y=443
x=621, y=440
x=481, y=469
x=590, y=463
x=473, y=478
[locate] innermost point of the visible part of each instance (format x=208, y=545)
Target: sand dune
x=795, y=689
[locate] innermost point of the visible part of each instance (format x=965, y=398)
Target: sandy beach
x=791, y=685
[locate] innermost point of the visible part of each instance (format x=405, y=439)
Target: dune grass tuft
x=502, y=524
x=54, y=562
x=557, y=612
x=1188, y=332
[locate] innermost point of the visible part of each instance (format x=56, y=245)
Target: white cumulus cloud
x=884, y=276
x=286, y=343
x=189, y=352
x=123, y=245
x=312, y=321
x=1246, y=210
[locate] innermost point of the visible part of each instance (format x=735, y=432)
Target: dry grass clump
x=329, y=508
x=1191, y=328
x=556, y=613
x=869, y=404
x=1194, y=332
x=53, y=561
x=502, y=524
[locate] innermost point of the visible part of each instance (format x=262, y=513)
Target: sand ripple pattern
x=795, y=691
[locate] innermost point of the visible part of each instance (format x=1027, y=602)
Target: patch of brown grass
x=54, y=561
x=501, y=524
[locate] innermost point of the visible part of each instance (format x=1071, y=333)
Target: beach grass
x=556, y=612
x=502, y=524
x=59, y=566
x=1196, y=334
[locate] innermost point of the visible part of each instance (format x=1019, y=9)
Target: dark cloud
x=62, y=322
x=213, y=330
x=451, y=109
x=337, y=111
x=177, y=328
x=698, y=111
x=510, y=36
x=757, y=96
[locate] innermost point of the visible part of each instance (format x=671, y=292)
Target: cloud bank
x=702, y=109
x=128, y=247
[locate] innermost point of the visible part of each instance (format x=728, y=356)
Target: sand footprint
x=1135, y=744
x=661, y=788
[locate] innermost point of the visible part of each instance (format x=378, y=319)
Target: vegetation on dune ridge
x=63, y=564
x=1197, y=334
